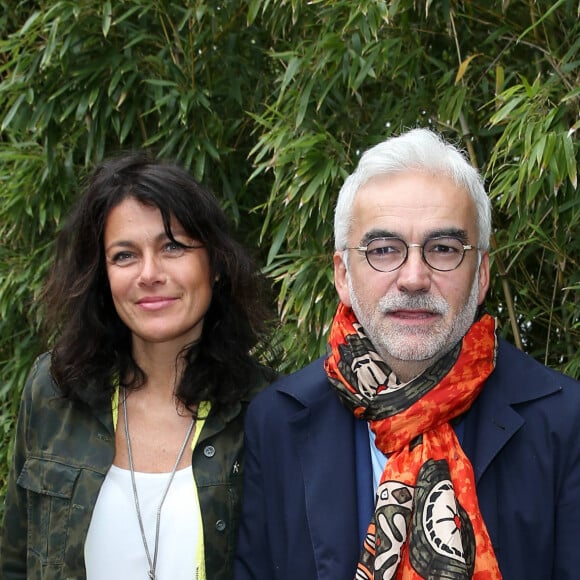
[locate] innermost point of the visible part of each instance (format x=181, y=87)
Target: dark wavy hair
x=91, y=343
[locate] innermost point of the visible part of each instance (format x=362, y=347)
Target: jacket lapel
x=495, y=425
x=494, y=420
x=323, y=432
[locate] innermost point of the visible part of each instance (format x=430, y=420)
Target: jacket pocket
x=49, y=485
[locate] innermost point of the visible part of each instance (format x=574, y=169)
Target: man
x=421, y=446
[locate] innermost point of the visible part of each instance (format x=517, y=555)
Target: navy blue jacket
x=300, y=507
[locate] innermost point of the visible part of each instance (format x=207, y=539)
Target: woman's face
x=161, y=290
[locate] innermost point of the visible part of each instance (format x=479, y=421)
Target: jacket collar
x=491, y=422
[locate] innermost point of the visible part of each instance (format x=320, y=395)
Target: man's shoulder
x=311, y=374
x=521, y=378
x=300, y=388
x=512, y=361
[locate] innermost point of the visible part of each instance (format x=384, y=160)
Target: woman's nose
x=152, y=271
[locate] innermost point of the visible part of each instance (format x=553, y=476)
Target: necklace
x=152, y=561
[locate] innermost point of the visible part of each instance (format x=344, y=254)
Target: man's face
x=412, y=315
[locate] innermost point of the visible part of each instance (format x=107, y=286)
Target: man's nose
x=414, y=275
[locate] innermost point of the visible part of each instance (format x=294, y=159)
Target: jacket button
x=209, y=451
x=220, y=525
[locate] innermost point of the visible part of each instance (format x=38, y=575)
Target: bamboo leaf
x=463, y=67
x=570, y=160
x=278, y=239
x=107, y=18
x=12, y=111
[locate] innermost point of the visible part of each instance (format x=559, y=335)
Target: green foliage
x=271, y=102
x=501, y=80
x=82, y=80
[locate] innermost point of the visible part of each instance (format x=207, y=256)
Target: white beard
x=418, y=344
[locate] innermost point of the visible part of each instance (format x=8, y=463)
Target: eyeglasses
x=442, y=253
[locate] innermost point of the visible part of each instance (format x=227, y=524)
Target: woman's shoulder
x=50, y=416
x=40, y=381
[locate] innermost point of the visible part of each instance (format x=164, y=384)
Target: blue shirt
x=366, y=472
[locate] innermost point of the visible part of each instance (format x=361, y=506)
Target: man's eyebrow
x=378, y=233
x=458, y=233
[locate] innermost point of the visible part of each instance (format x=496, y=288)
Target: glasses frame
x=364, y=249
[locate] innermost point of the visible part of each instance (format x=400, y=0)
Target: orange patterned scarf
x=427, y=522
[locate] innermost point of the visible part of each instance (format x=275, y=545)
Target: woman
x=128, y=455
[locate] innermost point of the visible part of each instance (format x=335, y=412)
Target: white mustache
x=392, y=303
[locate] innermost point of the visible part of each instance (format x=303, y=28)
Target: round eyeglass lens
x=443, y=253
x=386, y=254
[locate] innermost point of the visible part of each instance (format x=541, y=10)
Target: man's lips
x=413, y=315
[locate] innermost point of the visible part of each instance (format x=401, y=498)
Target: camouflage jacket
x=62, y=453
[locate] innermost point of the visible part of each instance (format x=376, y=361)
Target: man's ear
x=484, y=277
x=341, y=279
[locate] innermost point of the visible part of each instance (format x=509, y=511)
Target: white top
x=114, y=546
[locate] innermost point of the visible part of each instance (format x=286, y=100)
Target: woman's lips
x=155, y=302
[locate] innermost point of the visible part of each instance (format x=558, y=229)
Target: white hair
x=416, y=150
